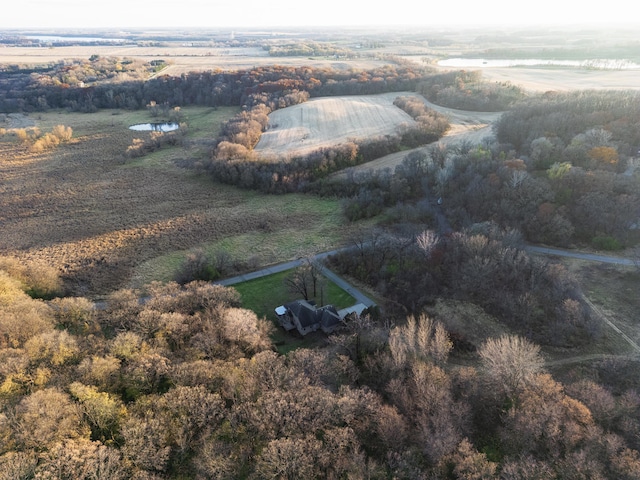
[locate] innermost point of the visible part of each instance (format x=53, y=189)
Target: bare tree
x=427, y=241
x=510, y=362
x=517, y=177
x=635, y=256
x=421, y=339
x=306, y=280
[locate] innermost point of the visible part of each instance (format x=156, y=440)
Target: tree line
x=59, y=86
x=234, y=162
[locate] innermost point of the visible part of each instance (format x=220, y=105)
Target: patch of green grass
x=263, y=295
x=160, y=158
x=286, y=238
x=205, y=122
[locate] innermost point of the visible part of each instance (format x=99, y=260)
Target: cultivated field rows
x=328, y=121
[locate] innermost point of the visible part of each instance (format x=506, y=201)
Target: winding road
x=592, y=257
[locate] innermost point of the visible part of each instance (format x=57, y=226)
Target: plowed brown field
x=327, y=121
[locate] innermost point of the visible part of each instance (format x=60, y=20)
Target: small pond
x=155, y=127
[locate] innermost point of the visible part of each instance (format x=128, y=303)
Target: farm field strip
x=327, y=121
x=180, y=59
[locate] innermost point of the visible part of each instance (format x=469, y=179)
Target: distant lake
x=58, y=39
x=606, y=64
x=154, y=127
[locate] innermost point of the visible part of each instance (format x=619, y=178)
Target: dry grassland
x=98, y=217
x=328, y=121
x=181, y=59
x=565, y=79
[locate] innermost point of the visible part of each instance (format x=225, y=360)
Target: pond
x=603, y=64
x=154, y=127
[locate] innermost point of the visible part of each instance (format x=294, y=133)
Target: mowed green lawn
x=263, y=295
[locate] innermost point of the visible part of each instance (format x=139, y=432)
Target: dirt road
x=465, y=125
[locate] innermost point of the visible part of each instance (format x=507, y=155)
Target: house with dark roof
x=305, y=317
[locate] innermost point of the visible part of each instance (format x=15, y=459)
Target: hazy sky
x=254, y=13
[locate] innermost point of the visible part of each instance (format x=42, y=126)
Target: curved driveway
x=362, y=298
x=281, y=267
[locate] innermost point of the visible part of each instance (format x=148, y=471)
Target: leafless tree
x=510, y=361
x=420, y=339
x=306, y=280
x=427, y=241
x=635, y=256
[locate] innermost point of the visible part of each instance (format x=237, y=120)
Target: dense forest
x=187, y=385
x=83, y=85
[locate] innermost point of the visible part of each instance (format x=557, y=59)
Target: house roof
x=357, y=308
x=304, y=311
x=329, y=316
x=308, y=315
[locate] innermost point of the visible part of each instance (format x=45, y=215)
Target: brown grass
x=614, y=289
x=181, y=59
x=98, y=217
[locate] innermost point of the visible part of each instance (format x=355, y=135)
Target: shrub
x=63, y=133
x=197, y=266
x=37, y=280
x=605, y=242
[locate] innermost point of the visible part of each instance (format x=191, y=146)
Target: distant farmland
x=328, y=121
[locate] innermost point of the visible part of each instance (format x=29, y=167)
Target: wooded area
x=85, y=85
x=186, y=385
x=179, y=381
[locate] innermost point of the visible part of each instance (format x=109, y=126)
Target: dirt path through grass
x=467, y=126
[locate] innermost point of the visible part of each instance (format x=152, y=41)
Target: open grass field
x=327, y=121
x=180, y=58
x=107, y=222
